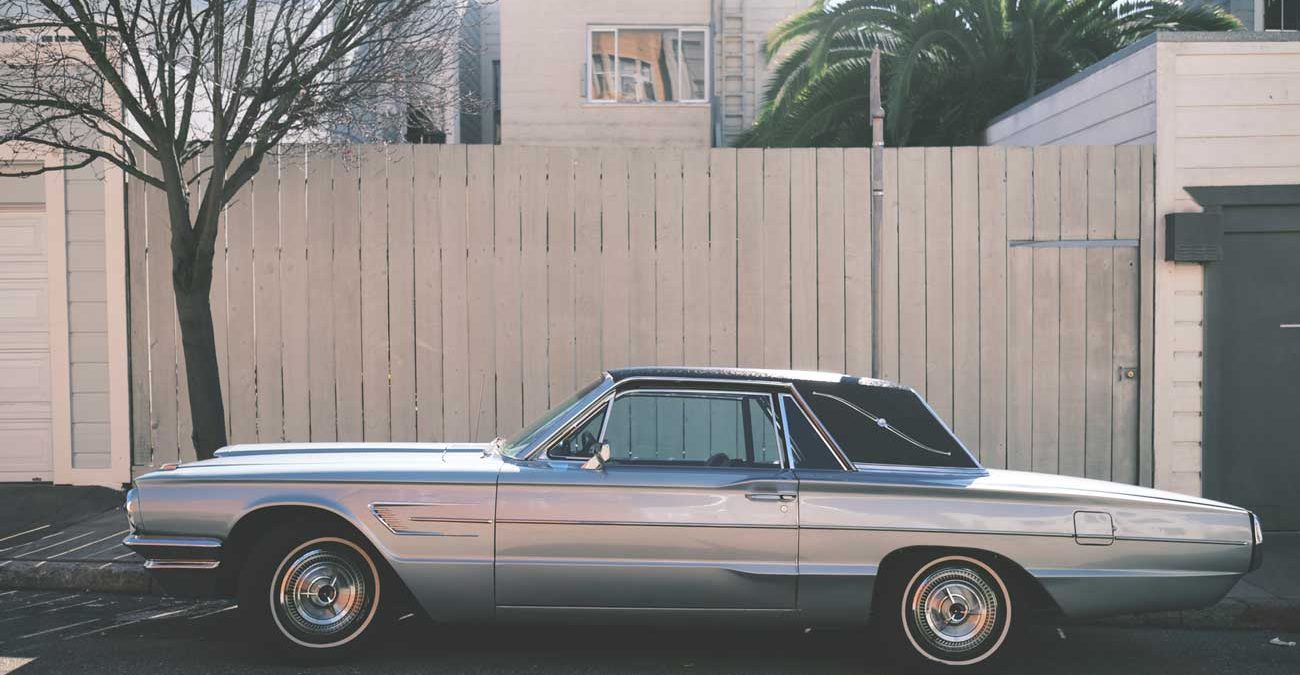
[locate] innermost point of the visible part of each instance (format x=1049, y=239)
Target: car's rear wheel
x=949, y=612
x=311, y=591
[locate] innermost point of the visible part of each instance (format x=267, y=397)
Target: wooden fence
x=455, y=292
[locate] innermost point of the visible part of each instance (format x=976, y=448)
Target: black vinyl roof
x=748, y=374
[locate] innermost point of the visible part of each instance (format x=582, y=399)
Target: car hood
x=1039, y=482
x=341, y=462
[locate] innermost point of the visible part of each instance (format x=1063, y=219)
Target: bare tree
x=151, y=86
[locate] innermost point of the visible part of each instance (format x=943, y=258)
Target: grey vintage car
x=683, y=493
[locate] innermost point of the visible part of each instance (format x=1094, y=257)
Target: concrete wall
x=1225, y=110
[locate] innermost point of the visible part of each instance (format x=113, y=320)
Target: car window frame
x=607, y=406
x=817, y=426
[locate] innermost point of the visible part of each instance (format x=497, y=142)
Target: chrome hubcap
x=954, y=609
x=323, y=593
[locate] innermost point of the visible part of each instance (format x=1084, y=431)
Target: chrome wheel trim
x=950, y=629
x=320, y=592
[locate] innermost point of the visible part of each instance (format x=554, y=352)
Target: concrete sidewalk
x=89, y=556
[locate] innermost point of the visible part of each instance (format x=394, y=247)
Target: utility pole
x=877, y=204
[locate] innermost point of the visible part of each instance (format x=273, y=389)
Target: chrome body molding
x=181, y=564
x=479, y=535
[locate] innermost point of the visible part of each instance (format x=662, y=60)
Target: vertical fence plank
x=374, y=294
x=857, y=261
x=241, y=359
x=1020, y=287
x=427, y=235
x=938, y=280
x=777, y=246
x=1146, y=314
x=456, y=402
x=1100, y=331
x=1046, y=299
x=615, y=260
x=888, y=322
x=266, y=289
x=220, y=322
x=401, y=293
x=587, y=270
x=722, y=257
x=482, y=334
x=695, y=252
x=830, y=259
x=669, y=299
x=138, y=284
x=993, y=306
x=803, y=260
x=532, y=267
x=320, y=304
x=1124, y=438
x=294, y=299
x=347, y=294
x=750, y=275
x=164, y=388
x=912, y=268
x=1074, y=225
x=510, y=396
x=966, y=297
x=559, y=272
x=641, y=242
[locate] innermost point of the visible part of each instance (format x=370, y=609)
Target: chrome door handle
x=771, y=496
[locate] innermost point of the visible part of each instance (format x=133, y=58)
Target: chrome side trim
x=882, y=528
x=1183, y=540
x=133, y=540
x=629, y=523
x=181, y=564
x=402, y=525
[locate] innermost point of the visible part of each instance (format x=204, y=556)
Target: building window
x=1281, y=14
x=648, y=65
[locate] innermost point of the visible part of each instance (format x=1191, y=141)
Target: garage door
x=26, y=450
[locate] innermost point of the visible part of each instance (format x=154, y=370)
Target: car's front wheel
x=949, y=612
x=312, y=591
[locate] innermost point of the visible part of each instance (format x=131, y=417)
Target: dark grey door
x=1253, y=365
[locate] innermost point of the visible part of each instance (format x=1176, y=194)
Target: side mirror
x=600, y=459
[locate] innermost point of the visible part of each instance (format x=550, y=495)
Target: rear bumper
x=182, y=566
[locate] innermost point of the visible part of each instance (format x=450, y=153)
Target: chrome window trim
x=594, y=399
x=701, y=393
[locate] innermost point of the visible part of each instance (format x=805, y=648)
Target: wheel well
x=252, y=526
x=901, y=561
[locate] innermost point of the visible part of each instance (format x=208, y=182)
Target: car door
x=694, y=509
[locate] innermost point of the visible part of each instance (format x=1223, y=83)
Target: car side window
x=582, y=442
x=697, y=429
x=807, y=449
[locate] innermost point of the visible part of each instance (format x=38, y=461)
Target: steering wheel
x=588, y=444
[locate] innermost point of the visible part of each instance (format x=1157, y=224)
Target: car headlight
x=133, y=509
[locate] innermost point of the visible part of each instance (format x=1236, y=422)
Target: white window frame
x=617, y=84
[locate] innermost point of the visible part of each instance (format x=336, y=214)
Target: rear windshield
x=884, y=425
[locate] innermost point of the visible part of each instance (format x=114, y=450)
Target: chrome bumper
x=176, y=553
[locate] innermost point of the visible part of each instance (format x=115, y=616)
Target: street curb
x=55, y=575
x=1229, y=613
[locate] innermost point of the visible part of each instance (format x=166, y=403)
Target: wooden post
x=877, y=204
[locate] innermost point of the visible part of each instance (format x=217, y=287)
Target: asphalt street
x=54, y=632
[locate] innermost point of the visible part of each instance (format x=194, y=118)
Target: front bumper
x=182, y=566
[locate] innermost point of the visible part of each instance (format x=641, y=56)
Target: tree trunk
x=194, y=308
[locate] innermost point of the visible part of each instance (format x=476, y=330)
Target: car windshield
x=526, y=436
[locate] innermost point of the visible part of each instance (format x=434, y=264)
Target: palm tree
x=948, y=66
